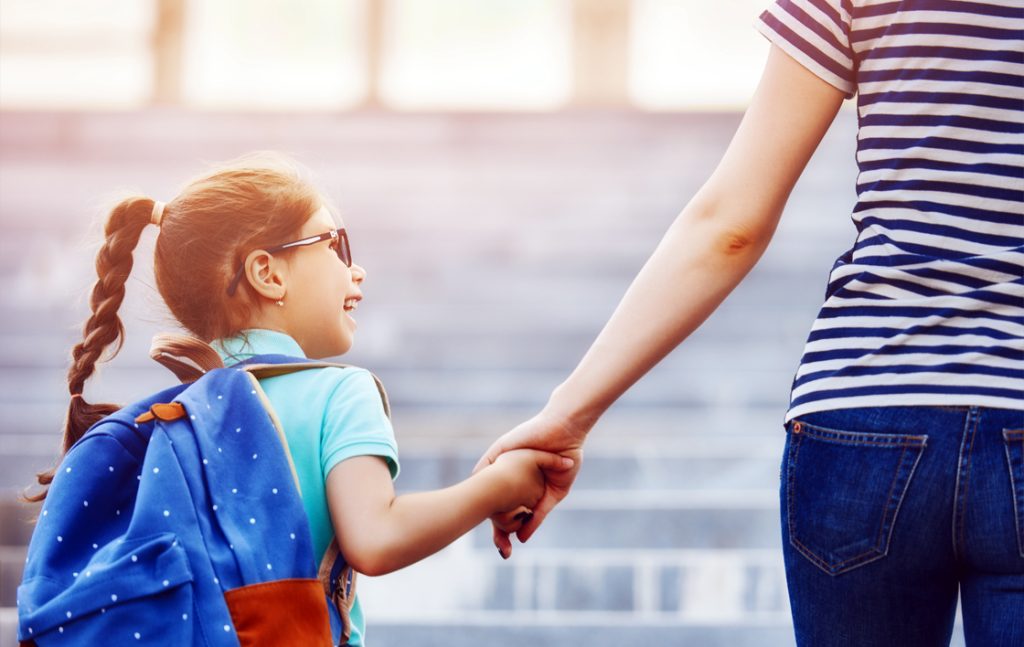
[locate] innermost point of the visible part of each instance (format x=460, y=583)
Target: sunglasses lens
x=344, y=253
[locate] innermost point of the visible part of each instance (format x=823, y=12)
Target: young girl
x=250, y=260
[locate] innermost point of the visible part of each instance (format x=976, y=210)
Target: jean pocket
x=844, y=490
x=1015, y=462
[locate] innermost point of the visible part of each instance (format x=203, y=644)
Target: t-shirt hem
x=904, y=400
x=384, y=450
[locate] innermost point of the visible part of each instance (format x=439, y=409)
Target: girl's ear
x=266, y=274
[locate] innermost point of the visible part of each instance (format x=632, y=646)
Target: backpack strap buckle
x=163, y=411
x=339, y=582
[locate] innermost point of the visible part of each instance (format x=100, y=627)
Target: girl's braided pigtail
x=103, y=328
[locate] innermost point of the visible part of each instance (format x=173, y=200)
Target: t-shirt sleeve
x=355, y=423
x=817, y=34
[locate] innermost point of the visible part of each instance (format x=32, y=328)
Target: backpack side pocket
x=282, y=612
x=143, y=591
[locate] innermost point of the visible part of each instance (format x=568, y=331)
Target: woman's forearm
x=711, y=246
x=701, y=258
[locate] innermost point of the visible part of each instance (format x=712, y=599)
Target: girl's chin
x=334, y=345
x=345, y=344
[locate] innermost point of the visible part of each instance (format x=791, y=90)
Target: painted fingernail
x=522, y=515
x=501, y=552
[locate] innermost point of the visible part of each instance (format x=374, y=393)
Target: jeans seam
x=962, y=476
x=967, y=474
x=791, y=470
x=888, y=497
x=838, y=567
x=1007, y=435
x=835, y=435
x=903, y=496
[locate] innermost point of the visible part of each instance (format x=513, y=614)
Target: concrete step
x=636, y=496
x=12, y=563
x=444, y=370
x=599, y=630
x=695, y=585
x=553, y=630
x=642, y=446
x=8, y=627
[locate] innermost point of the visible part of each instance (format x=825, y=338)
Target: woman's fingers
x=558, y=482
x=558, y=452
x=533, y=521
x=549, y=461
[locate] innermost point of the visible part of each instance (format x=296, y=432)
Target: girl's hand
x=519, y=478
x=546, y=432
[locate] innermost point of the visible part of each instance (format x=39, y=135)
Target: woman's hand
x=520, y=478
x=545, y=432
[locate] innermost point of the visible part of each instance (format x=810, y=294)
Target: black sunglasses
x=339, y=241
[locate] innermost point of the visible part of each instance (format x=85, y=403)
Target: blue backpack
x=177, y=520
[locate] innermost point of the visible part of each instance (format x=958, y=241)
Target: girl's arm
x=379, y=532
x=713, y=243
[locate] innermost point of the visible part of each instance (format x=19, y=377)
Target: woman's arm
x=713, y=243
x=711, y=246
x=379, y=532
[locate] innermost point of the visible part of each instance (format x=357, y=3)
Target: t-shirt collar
x=256, y=341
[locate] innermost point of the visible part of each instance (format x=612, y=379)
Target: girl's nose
x=358, y=273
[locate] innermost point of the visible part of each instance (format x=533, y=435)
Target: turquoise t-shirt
x=328, y=415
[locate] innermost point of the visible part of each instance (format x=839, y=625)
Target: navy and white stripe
x=927, y=307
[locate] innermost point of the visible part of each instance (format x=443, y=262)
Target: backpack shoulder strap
x=265, y=370
x=336, y=576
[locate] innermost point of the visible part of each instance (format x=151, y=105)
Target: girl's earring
x=280, y=302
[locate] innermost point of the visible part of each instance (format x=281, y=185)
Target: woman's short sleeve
x=817, y=34
x=355, y=423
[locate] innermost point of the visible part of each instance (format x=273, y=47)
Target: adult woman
x=907, y=405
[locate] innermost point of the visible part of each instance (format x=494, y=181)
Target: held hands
x=519, y=483
x=542, y=432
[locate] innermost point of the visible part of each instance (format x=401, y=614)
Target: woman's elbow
x=730, y=225
x=736, y=240
x=728, y=238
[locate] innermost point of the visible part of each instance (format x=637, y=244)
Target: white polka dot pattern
x=114, y=564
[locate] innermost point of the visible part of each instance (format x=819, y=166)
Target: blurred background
x=504, y=168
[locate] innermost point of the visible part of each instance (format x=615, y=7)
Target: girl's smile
x=316, y=290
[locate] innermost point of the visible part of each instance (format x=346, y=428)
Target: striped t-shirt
x=927, y=306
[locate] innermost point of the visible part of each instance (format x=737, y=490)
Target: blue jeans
x=889, y=513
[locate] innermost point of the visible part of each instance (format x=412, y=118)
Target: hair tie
x=158, y=213
x=76, y=395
